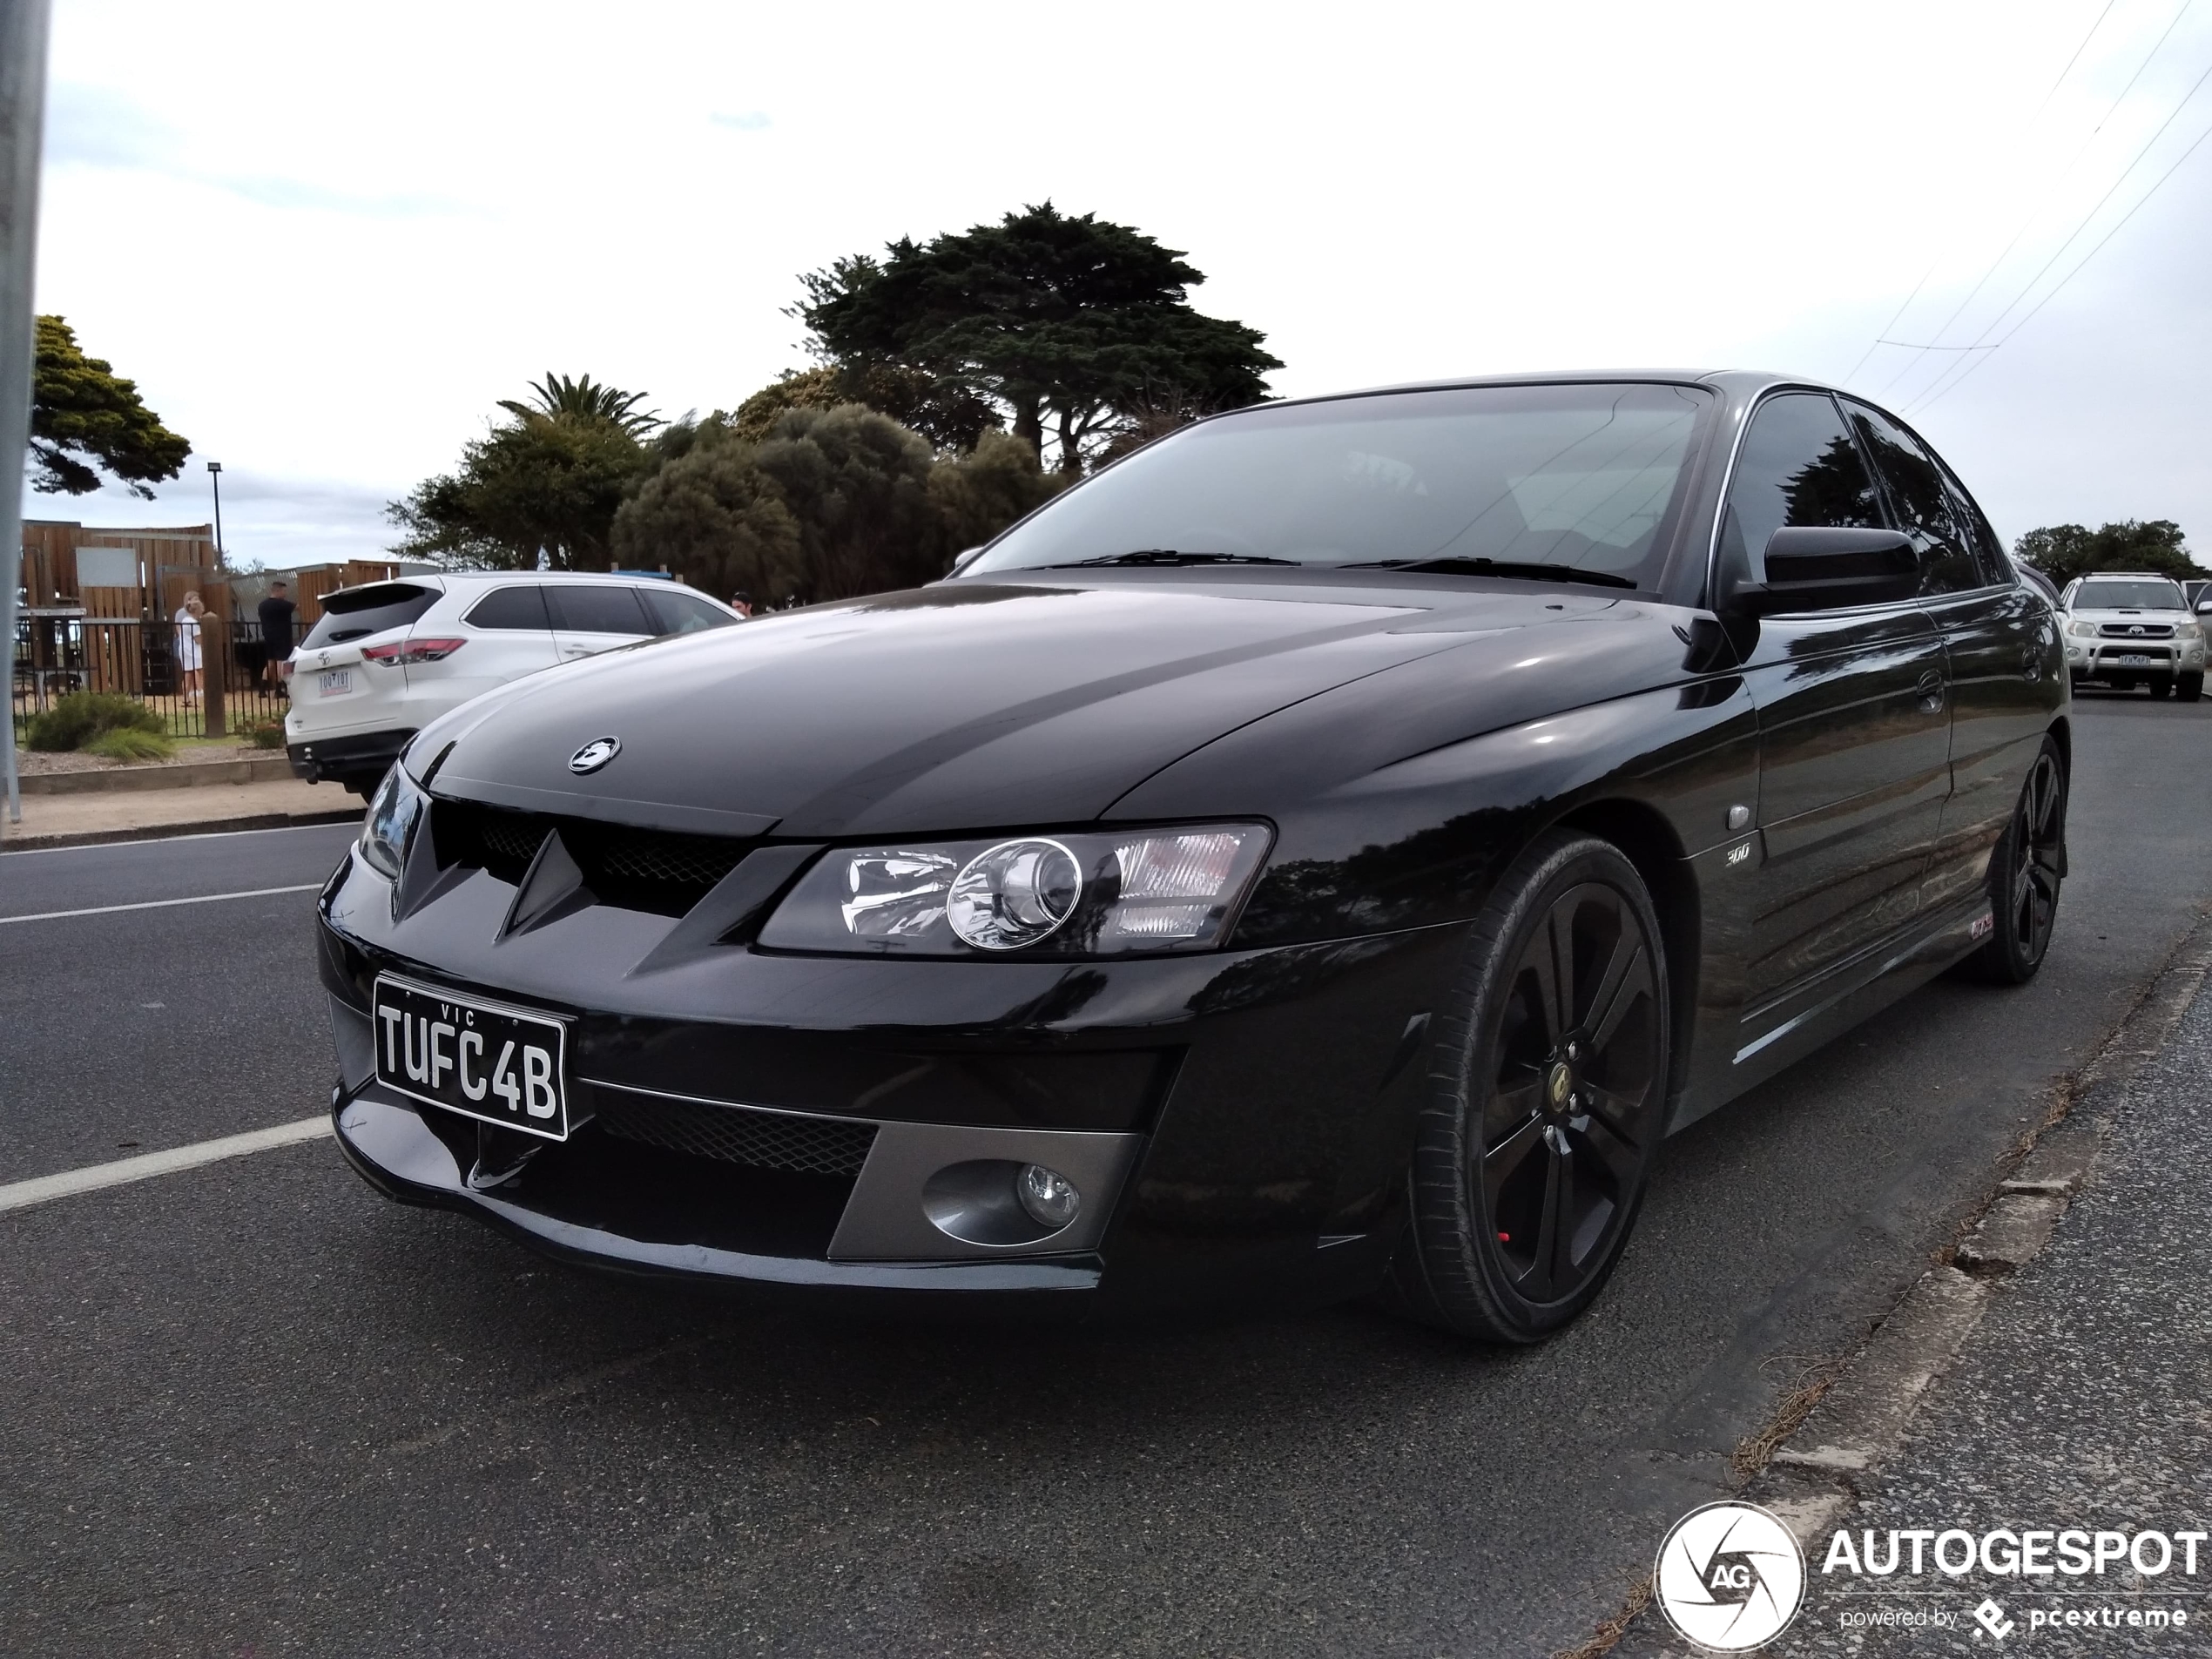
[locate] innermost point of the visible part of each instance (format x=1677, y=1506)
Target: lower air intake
x=739, y=1134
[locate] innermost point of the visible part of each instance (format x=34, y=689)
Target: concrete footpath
x=2076, y=1401
x=83, y=819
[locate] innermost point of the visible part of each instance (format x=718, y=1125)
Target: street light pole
x=22, y=106
x=215, y=477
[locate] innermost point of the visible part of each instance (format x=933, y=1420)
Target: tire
x=2026, y=872
x=1534, y=1108
x=2189, y=687
x=2161, y=687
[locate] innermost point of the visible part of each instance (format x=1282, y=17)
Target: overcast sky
x=324, y=240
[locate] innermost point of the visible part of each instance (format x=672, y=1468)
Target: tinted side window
x=1798, y=466
x=355, y=613
x=598, y=611
x=681, y=613
x=1923, y=502
x=519, y=607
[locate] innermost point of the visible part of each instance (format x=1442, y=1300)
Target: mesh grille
x=654, y=855
x=658, y=870
x=510, y=836
x=738, y=1135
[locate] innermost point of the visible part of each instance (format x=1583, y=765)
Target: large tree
x=539, y=489
x=2065, y=551
x=86, y=419
x=1067, y=327
x=822, y=504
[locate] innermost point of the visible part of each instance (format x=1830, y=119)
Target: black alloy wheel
x=2026, y=870
x=1549, y=1099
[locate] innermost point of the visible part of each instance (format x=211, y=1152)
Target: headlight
x=1059, y=895
x=2082, y=630
x=2187, y=631
x=392, y=815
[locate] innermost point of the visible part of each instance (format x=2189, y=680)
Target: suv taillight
x=412, y=651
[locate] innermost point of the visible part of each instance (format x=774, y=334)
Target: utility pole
x=23, y=119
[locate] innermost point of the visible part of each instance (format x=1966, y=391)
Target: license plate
x=336, y=682
x=483, y=1059
x=2133, y=660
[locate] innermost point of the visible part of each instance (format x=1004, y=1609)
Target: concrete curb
x=164, y=831
x=189, y=774
x=1858, y=1421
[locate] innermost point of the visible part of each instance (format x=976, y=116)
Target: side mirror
x=2204, y=608
x=963, y=561
x=1812, y=568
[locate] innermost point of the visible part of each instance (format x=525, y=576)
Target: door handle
x=1930, y=691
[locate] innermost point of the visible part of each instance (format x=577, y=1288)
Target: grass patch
x=130, y=742
x=76, y=720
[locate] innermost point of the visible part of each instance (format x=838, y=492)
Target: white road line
x=165, y=840
x=71, y=1182
x=159, y=904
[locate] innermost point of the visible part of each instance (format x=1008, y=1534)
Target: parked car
x=1324, y=851
x=386, y=659
x=2199, y=594
x=2125, y=629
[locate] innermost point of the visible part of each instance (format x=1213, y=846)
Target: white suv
x=2126, y=629
x=387, y=658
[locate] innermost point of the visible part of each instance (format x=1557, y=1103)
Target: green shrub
x=266, y=734
x=81, y=716
x=131, y=742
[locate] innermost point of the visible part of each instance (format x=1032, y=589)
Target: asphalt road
x=254, y=1408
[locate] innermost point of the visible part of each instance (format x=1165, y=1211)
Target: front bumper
x=2100, y=658
x=1238, y=1123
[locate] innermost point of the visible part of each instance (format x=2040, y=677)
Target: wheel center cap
x=1560, y=1085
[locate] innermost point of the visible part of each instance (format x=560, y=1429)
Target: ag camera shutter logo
x=1731, y=1577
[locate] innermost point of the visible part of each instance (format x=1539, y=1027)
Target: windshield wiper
x=1494, y=567
x=1168, y=556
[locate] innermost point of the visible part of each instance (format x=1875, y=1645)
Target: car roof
x=1737, y=383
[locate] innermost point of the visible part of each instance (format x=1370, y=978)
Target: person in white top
x=188, y=652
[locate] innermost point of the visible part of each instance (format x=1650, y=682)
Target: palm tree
x=584, y=399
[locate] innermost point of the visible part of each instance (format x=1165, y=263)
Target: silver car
x=2125, y=629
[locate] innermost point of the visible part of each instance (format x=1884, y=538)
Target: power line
x=2036, y=211
x=1930, y=391
x=2071, y=165
x=2070, y=275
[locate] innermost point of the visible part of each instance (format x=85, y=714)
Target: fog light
x=1049, y=1195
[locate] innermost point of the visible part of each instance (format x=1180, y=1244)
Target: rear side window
x=517, y=607
x=355, y=613
x=1798, y=466
x=1926, y=509
x=681, y=613
x=598, y=611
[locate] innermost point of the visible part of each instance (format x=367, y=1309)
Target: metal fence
x=61, y=650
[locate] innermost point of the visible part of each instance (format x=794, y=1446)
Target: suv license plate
x=336, y=682
x=2134, y=660
x=496, y=1064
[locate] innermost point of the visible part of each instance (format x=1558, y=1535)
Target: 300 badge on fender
x=486, y=1061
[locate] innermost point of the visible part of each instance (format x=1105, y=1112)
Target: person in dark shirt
x=276, y=633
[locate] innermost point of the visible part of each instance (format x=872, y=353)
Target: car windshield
x=2150, y=595
x=1567, y=481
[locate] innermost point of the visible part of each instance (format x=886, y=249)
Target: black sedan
x=1321, y=854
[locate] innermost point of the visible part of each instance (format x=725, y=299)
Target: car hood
x=963, y=706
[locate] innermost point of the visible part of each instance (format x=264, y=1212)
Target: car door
x=505, y=634
x=1853, y=733
x=1999, y=643
x=593, y=617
